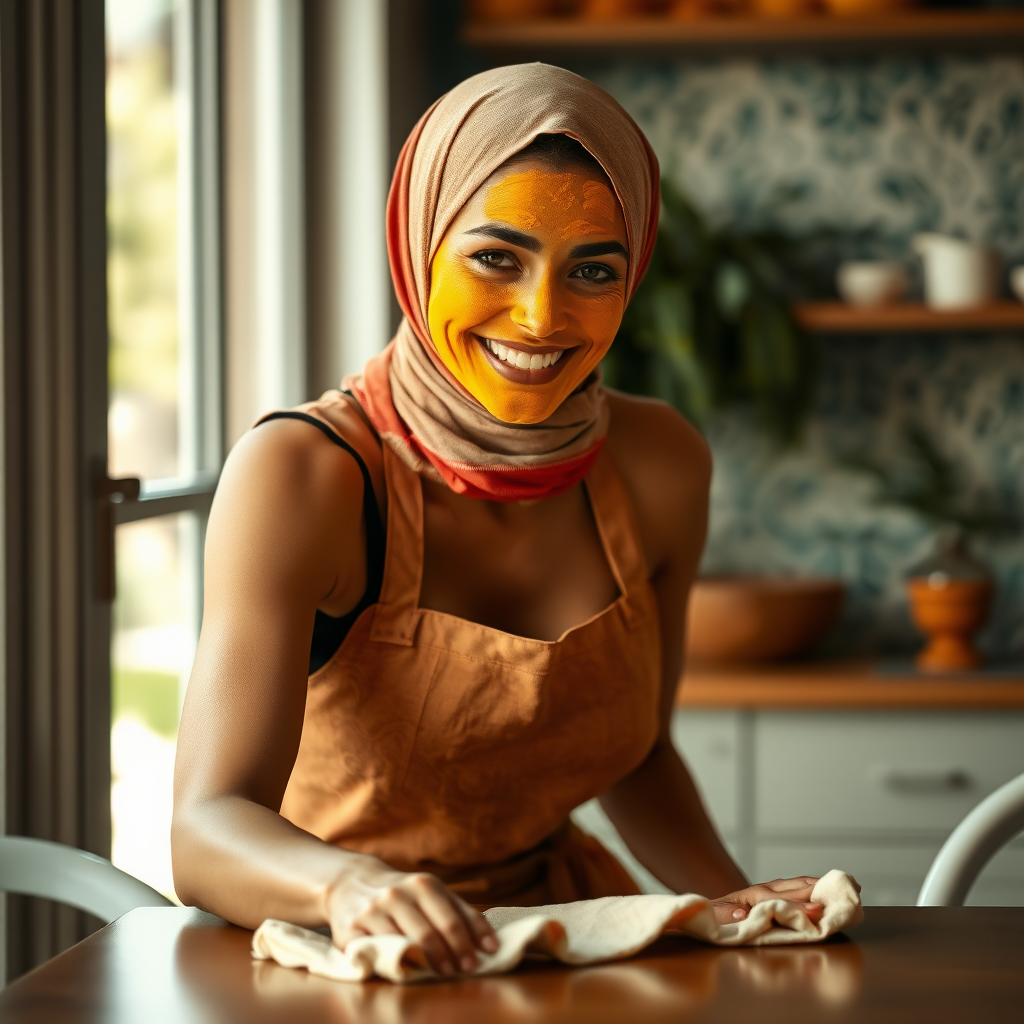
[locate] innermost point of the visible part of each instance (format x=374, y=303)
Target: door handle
x=910, y=780
x=108, y=495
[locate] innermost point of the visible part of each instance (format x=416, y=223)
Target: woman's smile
x=525, y=364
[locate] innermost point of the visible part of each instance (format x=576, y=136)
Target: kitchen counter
x=862, y=684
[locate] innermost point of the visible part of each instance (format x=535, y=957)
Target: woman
x=514, y=647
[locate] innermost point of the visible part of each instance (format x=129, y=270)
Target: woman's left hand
x=735, y=907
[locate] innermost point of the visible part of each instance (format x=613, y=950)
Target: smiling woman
x=384, y=734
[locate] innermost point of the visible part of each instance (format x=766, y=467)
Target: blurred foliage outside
x=710, y=327
x=149, y=697
x=142, y=221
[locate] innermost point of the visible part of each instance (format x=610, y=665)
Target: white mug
x=1017, y=281
x=956, y=273
x=871, y=282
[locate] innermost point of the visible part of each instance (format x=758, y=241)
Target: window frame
x=201, y=324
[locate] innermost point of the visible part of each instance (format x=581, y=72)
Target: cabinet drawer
x=709, y=743
x=879, y=772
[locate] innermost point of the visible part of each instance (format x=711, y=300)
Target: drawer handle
x=903, y=780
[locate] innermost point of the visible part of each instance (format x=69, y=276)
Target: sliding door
x=164, y=369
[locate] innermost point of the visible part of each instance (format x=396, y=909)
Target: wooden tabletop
x=862, y=684
x=902, y=964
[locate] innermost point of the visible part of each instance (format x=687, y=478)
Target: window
x=164, y=369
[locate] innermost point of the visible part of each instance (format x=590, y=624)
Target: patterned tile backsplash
x=875, y=150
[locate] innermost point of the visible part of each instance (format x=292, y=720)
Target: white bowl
x=871, y=282
x=1017, y=281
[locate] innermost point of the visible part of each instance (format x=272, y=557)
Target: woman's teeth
x=520, y=359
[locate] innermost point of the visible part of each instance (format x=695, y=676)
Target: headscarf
x=434, y=425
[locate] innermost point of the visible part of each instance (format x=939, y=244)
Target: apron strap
x=616, y=524
x=395, y=617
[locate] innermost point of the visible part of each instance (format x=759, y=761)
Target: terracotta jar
x=949, y=612
x=950, y=597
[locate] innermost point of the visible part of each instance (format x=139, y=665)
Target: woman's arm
x=285, y=536
x=656, y=808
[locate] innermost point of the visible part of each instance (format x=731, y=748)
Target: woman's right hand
x=373, y=899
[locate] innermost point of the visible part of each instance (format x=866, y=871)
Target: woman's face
x=528, y=286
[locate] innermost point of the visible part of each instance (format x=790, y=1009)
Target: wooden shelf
x=845, y=684
x=837, y=317
x=944, y=30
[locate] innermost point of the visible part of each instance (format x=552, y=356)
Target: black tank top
x=329, y=631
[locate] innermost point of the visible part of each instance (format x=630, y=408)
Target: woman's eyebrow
x=588, y=249
x=509, y=235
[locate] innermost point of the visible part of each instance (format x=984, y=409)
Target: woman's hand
x=373, y=899
x=735, y=907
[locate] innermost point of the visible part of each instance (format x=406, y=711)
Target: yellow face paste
x=540, y=302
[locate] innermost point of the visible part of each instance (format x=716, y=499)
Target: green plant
x=710, y=326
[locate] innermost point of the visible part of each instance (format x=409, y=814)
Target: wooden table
x=903, y=964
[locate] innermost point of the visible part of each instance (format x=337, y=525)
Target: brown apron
x=442, y=745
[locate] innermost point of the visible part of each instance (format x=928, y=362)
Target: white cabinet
x=711, y=744
x=874, y=793
x=868, y=773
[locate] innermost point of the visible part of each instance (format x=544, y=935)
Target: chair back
x=52, y=871
x=972, y=844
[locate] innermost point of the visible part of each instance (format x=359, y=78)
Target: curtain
x=55, y=629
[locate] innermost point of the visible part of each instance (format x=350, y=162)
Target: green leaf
x=710, y=325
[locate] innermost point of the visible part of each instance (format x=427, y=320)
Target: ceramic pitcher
x=956, y=273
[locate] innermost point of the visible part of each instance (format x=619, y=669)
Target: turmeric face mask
x=527, y=288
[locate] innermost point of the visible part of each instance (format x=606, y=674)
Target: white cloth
x=575, y=933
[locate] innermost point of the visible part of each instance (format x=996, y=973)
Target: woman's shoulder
x=337, y=418
x=665, y=465
x=317, y=452
x=288, y=453
x=290, y=504
x=649, y=438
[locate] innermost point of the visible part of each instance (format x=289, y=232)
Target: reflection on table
x=676, y=976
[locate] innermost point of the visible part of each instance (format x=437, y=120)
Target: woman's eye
x=595, y=272
x=495, y=259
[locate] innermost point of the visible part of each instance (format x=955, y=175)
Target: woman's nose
x=538, y=308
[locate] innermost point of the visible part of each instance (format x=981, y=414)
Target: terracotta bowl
x=748, y=618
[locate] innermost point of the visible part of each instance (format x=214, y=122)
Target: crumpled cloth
x=587, y=932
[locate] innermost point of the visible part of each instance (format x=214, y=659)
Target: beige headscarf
x=417, y=406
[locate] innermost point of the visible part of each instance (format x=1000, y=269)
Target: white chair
x=35, y=867
x=989, y=827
